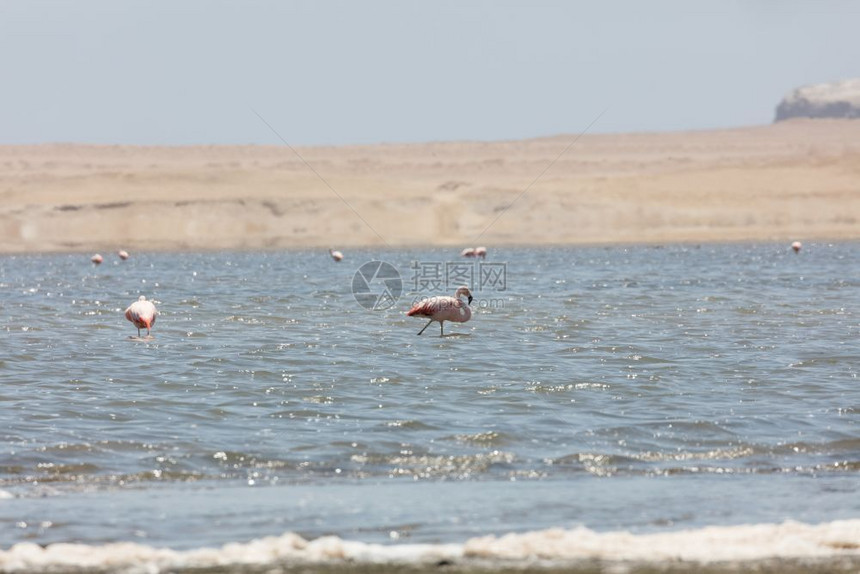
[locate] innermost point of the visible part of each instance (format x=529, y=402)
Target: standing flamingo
x=142, y=313
x=468, y=252
x=443, y=308
x=122, y=254
x=480, y=252
x=796, y=246
x=97, y=259
x=336, y=255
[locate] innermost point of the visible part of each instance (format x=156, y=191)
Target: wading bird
x=97, y=259
x=122, y=254
x=796, y=246
x=142, y=313
x=443, y=308
x=336, y=255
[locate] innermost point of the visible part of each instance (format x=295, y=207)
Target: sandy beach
x=796, y=180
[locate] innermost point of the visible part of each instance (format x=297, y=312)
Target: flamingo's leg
x=425, y=326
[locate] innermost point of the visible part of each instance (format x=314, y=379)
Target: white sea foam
x=711, y=544
x=132, y=557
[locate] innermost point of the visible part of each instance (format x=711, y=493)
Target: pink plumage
x=142, y=314
x=443, y=308
x=336, y=255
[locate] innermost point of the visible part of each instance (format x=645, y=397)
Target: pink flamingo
x=97, y=259
x=336, y=255
x=480, y=252
x=796, y=246
x=142, y=313
x=468, y=252
x=122, y=254
x=443, y=308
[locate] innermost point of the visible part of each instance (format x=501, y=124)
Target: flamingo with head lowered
x=142, y=314
x=444, y=308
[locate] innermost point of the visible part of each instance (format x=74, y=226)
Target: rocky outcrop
x=834, y=100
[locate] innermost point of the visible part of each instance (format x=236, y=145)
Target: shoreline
x=455, y=250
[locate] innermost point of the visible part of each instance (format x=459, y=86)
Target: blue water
x=617, y=388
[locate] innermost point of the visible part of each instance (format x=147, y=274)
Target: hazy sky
x=172, y=72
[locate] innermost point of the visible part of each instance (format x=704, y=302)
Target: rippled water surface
x=633, y=388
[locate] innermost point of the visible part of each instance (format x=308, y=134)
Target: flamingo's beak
x=470, y=299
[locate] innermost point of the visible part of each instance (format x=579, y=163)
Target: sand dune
x=793, y=180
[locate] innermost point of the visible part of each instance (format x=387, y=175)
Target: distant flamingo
x=142, y=313
x=97, y=259
x=480, y=252
x=336, y=255
x=468, y=252
x=122, y=254
x=443, y=308
x=796, y=246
